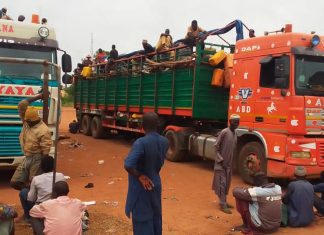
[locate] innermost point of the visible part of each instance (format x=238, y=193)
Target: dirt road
x=189, y=205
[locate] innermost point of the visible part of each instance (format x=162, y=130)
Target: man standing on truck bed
x=35, y=140
x=143, y=165
x=224, y=150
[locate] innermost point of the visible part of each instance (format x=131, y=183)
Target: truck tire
x=251, y=153
x=86, y=124
x=97, y=129
x=175, y=153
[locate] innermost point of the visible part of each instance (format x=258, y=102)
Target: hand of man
x=146, y=182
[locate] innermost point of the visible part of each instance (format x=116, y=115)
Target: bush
x=68, y=96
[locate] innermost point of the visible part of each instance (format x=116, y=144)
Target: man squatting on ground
x=40, y=187
x=224, y=149
x=143, y=165
x=260, y=206
x=35, y=140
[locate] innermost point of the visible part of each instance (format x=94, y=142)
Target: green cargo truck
x=178, y=88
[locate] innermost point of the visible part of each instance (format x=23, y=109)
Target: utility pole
x=91, y=47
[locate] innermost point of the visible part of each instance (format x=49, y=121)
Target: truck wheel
x=86, y=125
x=97, y=129
x=175, y=153
x=251, y=160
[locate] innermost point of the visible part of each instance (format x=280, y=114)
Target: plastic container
x=35, y=18
x=228, y=62
x=217, y=58
x=218, y=78
x=86, y=71
x=228, y=73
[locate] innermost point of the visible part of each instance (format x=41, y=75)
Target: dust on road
x=189, y=205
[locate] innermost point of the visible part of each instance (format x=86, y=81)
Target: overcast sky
x=126, y=22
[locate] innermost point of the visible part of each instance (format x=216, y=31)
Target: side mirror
x=67, y=79
x=66, y=63
x=282, y=83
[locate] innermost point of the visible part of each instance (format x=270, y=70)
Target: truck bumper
x=279, y=169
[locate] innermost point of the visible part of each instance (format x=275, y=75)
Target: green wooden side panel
x=183, y=87
x=155, y=90
x=148, y=83
x=134, y=85
x=121, y=91
x=209, y=102
x=110, y=96
x=101, y=91
x=164, y=89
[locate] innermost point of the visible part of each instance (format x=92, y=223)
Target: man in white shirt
x=40, y=187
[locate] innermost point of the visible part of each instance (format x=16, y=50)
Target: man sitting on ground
x=260, y=206
x=62, y=216
x=41, y=186
x=299, y=199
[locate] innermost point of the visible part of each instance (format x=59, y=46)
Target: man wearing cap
x=224, y=150
x=35, y=140
x=299, y=200
x=87, y=61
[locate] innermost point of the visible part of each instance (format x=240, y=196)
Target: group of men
x=263, y=208
x=48, y=209
x=21, y=18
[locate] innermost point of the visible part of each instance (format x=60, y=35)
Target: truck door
x=271, y=104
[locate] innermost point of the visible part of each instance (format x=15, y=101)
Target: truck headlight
x=300, y=154
x=43, y=32
x=315, y=40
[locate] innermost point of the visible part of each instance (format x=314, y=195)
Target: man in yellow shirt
x=35, y=140
x=165, y=41
x=193, y=34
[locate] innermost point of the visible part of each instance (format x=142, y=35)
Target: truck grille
x=9, y=141
x=321, y=153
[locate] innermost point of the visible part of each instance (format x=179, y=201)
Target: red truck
x=276, y=86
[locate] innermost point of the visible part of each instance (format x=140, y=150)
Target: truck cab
x=277, y=88
x=23, y=47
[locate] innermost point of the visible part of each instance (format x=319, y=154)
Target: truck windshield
x=28, y=71
x=309, y=75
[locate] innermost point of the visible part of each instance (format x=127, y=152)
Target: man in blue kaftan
x=143, y=165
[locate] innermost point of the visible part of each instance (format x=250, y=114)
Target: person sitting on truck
x=319, y=201
x=21, y=18
x=251, y=33
x=62, y=215
x=194, y=33
x=44, y=21
x=87, y=61
x=259, y=206
x=299, y=199
x=7, y=215
x=113, y=54
x=4, y=15
x=40, y=187
x=147, y=47
x=36, y=142
x=101, y=56
x=165, y=41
